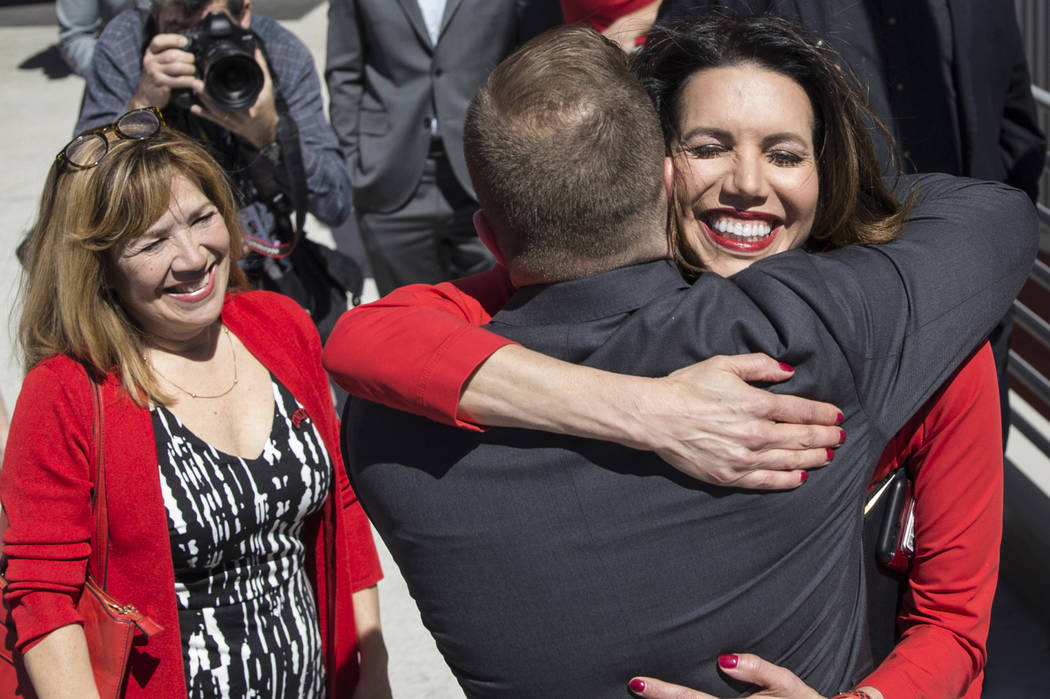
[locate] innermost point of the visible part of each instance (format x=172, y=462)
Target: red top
x=416, y=347
x=46, y=478
x=599, y=13
x=953, y=451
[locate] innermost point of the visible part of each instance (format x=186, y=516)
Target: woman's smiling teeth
x=742, y=230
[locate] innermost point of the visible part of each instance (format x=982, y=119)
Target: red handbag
x=109, y=626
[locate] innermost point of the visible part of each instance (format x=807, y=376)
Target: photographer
x=248, y=87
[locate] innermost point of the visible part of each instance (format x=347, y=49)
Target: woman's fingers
x=709, y=422
x=773, y=680
x=657, y=689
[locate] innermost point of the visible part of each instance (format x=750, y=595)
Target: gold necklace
x=191, y=394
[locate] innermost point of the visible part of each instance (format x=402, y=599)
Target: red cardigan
x=416, y=347
x=46, y=478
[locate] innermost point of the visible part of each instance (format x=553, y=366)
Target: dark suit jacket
x=999, y=136
x=386, y=80
x=553, y=566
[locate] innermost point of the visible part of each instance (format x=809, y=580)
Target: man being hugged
x=553, y=565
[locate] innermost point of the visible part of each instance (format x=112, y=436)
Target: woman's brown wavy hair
x=68, y=303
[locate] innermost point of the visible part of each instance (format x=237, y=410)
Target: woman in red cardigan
x=231, y=521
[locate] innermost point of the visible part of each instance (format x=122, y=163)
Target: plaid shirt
x=114, y=77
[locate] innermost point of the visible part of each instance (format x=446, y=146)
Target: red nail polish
x=831, y=454
x=786, y=367
x=804, y=476
x=728, y=661
x=636, y=685
x=839, y=418
x=842, y=436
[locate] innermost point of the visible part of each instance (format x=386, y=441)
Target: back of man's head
x=566, y=156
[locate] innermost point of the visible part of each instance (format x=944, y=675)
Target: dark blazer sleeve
x=344, y=73
x=905, y=314
x=675, y=10
x=536, y=17
x=1022, y=145
x=1001, y=138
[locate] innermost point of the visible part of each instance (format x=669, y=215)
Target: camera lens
x=234, y=82
x=225, y=56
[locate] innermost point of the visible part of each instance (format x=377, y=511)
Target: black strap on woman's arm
x=98, y=565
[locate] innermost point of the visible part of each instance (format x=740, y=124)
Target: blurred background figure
x=400, y=74
x=79, y=24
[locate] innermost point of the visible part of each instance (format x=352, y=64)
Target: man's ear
x=245, y=20
x=484, y=231
x=669, y=178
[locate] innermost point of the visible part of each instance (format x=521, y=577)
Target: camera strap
x=292, y=154
x=292, y=158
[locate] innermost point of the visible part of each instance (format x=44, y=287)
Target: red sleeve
x=956, y=461
x=44, y=486
x=414, y=348
x=599, y=13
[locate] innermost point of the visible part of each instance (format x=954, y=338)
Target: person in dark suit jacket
x=547, y=565
x=399, y=81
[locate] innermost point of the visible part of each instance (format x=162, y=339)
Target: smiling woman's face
x=173, y=277
x=746, y=171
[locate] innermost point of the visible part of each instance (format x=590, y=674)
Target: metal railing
x=1035, y=325
x=1042, y=99
x=1026, y=521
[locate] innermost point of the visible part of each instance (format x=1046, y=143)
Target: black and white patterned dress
x=246, y=608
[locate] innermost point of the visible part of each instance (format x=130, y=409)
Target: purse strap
x=98, y=563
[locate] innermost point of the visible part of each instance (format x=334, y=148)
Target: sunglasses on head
x=87, y=150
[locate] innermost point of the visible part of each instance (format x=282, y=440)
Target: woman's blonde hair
x=69, y=304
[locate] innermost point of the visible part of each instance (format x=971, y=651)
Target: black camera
x=225, y=56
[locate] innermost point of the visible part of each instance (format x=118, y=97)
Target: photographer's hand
x=165, y=67
x=258, y=124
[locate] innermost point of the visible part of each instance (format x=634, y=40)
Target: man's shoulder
x=288, y=55
x=272, y=32
x=128, y=27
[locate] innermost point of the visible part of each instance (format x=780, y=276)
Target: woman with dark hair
x=771, y=152
x=230, y=520
x=695, y=74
